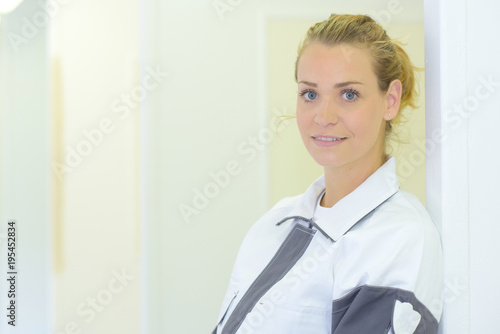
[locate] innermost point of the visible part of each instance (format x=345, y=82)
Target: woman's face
x=341, y=112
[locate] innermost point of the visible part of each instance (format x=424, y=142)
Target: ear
x=393, y=100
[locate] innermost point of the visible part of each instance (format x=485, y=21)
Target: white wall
x=462, y=170
x=24, y=172
x=62, y=68
x=484, y=164
x=96, y=45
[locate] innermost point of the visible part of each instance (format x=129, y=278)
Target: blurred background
x=141, y=139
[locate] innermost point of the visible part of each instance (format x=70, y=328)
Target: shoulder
x=276, y=212
x=286, y=203
x=405, y=216
x=396, y=246
x=398, y=236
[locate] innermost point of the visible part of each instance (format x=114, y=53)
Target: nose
x=327, y=113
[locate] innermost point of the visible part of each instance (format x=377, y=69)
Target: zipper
x=228, y=307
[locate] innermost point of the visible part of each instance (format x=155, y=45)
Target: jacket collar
x=375, y=190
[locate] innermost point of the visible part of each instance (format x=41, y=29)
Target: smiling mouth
x=329, y=138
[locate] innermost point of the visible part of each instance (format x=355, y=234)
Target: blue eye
x=349, y=95
x=309, y=95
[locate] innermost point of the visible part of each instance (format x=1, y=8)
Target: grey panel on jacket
x=290, y=251
x=369, y=310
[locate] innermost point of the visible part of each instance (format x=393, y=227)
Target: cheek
x=364, y=125
x=302, y=121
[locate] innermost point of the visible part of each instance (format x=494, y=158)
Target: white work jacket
x=371, y=264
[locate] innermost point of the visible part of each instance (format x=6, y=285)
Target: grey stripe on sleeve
x=285, y=258
x=369, y=310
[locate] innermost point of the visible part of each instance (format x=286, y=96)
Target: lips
x=327, y=141
x=323, y=138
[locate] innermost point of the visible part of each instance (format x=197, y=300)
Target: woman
x=354, y=253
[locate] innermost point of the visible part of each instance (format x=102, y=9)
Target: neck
x=341, y=181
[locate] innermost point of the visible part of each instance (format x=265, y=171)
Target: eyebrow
x=337, y=85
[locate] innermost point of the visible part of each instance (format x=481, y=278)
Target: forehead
x=344, y=62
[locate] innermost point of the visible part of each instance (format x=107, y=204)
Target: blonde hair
x=390, y=61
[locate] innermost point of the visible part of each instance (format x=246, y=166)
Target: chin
x=329, y=162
